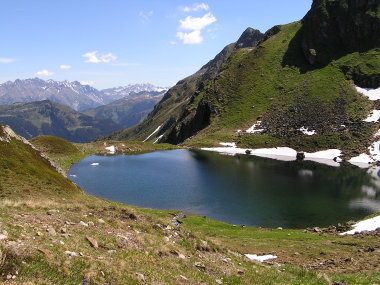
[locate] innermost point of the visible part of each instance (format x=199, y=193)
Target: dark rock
x=333, y=28
x=300, y=156
x=249, y=38
x=370, y=249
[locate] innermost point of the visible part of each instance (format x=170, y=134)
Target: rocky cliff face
x=333, y=28
x=249, y=38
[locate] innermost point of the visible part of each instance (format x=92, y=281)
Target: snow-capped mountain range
x=74, y=94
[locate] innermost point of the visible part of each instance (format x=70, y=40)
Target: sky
x=110, y=43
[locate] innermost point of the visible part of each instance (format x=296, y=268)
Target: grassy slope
x=259, y=85
x=133, y=240
x=25, y=173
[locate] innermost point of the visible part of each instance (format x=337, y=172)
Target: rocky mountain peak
x=249, y=38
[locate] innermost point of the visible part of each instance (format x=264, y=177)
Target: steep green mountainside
x=298, y=76
x=128, y=111
x=169, y=109
x=50, y=118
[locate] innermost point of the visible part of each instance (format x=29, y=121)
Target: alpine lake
x=243, y=190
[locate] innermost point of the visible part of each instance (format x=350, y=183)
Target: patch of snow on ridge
x=374, y=116
x=260, y=258
x=366, y=225
x=155, y=131
x=372, y=94
x=306, y=131
x=158, y=138
x=111, y=149
x=254, y=128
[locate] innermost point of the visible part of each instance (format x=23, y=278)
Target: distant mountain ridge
x=129, y=110
x=122, y=91
x=73, y=94
x=50, y=118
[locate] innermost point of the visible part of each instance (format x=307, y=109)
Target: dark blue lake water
x=239, y=190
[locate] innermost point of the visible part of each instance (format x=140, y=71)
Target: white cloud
x=44, y=73
x=197, y=23
x=65, y=66
x=91, y=82
x=145, y=16
x=7, y=60
x=196, y=7
x=92, y=57
x=192, y=38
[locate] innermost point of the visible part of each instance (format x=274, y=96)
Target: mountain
x=73, y=94
x=299, y=76
x=129, y=110
x=169, y=109
x=112, y=94
x=50, y=118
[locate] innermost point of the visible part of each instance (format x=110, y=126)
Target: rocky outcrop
x=334, y=28
x=249, y=38
x=191, y=123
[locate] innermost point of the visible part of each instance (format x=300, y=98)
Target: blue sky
x=110, y=43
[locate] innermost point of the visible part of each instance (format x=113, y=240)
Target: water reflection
x=240, y=190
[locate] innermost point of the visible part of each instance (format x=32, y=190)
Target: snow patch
x=306, y=131
x=254, y=129
x=281, y=153
x=374, y=116
x=95, y=164
x=111, y=149
x=260, y=258
x=330, y=157
x=324, y=154
x=158, y=138
x=372, y=94
x=228, y=144
x=155, y=131
x=366, y=225
x=363, y=160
